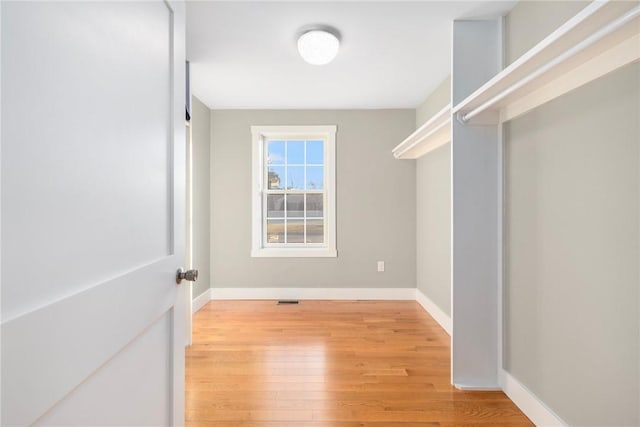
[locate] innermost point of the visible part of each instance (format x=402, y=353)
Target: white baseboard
x=201, y=300
x=528, y=402
x=430, y=307
x=471, y=387
x=398, y=294
x=314, y=293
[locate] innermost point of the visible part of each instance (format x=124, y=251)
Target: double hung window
x=294, y=191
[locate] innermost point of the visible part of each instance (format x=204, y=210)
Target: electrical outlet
x=380, y=266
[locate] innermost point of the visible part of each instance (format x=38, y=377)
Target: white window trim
x=259, y=134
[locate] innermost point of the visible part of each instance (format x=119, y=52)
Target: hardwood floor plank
x=328, y=363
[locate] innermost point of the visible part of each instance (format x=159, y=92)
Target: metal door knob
x=190, y=275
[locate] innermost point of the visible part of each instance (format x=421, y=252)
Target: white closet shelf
x=603, y=37
x=435, y=132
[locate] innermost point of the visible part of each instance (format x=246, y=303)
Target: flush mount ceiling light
x=318, y=47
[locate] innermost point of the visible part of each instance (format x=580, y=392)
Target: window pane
x=315, y=177
x=315, y=231
x=275, y=152
x=315, y=205
x=275, y=178
x=295, y=152
x=295, y=231
x=275, y=231
x=295, y=178
x=315, y=152
x=275, y=205
x=295, y=206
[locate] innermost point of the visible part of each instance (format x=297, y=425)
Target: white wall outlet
x=380, y=266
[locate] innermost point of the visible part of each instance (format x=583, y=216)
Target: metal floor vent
x=288, y=301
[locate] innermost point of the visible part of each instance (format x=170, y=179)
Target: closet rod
x=593, y=38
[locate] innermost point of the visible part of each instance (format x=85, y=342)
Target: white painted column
x=476, y=197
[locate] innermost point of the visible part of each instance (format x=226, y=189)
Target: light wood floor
x=328, y=363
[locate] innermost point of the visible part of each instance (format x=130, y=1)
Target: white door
x=92, y=213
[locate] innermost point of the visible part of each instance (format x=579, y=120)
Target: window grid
x=285, y=191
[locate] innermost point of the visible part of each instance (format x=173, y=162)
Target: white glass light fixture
x=318, y=47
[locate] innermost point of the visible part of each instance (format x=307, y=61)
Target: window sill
x=293, y=253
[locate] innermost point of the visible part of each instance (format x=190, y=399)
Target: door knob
x=190, y=275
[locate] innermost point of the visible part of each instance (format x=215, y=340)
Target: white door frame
x=189, y=233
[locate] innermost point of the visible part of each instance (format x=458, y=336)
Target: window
x=294, y=191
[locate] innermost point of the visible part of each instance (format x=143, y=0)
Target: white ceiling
x=393, y=54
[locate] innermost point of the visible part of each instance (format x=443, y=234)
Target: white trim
x=528, y=402
x=403, y=294
x=434, y=311
x=200, y=301
x=293, y=131
x=500, y=228
x=397, y=294
x=294, y=253
x=259, y=134
x=256, y=189
x=189, y=227
x=500, y=183
x=466, y=387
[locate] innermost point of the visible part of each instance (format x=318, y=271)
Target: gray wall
x=375, y=202
x=572, y=241
x=531, y=21
x=201, y=216
x=433, y=210
x=435, y=102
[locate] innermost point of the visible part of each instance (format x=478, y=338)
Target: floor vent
x=288, y=301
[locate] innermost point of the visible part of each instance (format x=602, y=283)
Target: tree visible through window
x=296, y=167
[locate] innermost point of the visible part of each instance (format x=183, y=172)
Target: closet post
x=476, y=199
